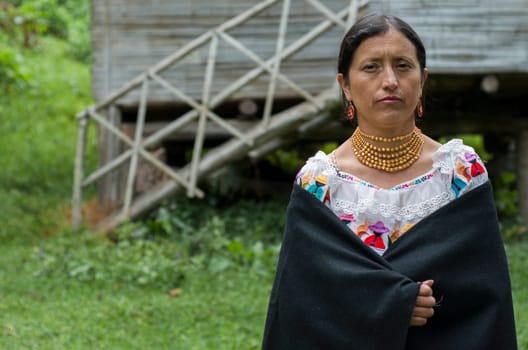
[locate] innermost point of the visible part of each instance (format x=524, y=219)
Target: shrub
x=13, y=76
x=176, y=240
x=79, y=39
x=24, y=22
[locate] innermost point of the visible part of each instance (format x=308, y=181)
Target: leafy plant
x=132, y=263
x=13, y=76
x=26, y=21
x=514, y=229
x=288, y=160
x=37, y=123
x=506, y=195
x=161, y=251
x=79, y=38
x=240, y=237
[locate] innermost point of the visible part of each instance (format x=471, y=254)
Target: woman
x=391, y=240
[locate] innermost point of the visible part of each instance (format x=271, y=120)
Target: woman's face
x=385, y=83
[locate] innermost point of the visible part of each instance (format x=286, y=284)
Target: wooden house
x=240, y=77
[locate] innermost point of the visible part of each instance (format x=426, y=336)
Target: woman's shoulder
x=462, y=164
x=317, y=163
x=450, y=155
x=314, y=175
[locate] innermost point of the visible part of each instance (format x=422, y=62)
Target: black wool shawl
x=332, y=292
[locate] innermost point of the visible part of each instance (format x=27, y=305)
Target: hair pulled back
x=372, y=25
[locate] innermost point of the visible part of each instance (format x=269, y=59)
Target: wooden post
x=352, y=14
x=79, y=174
x=522, y=172
x=200, y=133
x=110, y=192
x=276, y=67
x=140, y=122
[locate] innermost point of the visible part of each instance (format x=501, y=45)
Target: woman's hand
x=423, y=308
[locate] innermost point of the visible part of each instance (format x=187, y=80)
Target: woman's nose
x=390, y=80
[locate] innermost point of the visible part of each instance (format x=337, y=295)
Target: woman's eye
x=403, y=66
x=370, y=67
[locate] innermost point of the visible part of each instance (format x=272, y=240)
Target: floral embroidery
x=379, y=217
x=375, y=240
x=362, y=230
x=347, y=218
x=395, y=234
x=318, y=187
x=467, y=168
x=476, y=168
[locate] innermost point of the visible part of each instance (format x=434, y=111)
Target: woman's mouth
x=389, y=99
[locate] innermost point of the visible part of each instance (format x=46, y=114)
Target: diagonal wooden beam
x=231, y=151
x=202, y=120
x=327, y=12
x=276, y=66
x=237, y=147
x=132, y=169
x=179, y=54
x=251, y=55
x=198, y=108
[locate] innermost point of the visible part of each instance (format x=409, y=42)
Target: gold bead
x=388, y=159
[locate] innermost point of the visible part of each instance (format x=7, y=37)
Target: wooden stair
x=263, y=137
x=298, y=120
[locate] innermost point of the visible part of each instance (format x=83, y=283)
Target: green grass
x=214, y=311
x=60, y=290
x=48, y=299
x=518, y=262
x=37, y=141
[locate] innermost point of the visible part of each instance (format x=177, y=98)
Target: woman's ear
x=424, y=76
x=344, y=86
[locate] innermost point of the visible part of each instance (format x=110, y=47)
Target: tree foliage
x=24, y=22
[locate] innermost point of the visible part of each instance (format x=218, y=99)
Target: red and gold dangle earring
x=351, y=111
x=419, y=110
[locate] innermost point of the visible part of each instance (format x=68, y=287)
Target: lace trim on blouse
x=387, y=210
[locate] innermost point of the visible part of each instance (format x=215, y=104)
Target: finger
x=425, y=301
x=425, y=290
x=423, y=312
x=428, y=283
x=418, y=321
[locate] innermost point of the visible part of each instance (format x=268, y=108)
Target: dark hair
x=372, y=25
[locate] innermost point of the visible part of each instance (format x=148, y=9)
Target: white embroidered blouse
x=380, y=216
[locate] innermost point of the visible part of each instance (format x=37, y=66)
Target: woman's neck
x=389, y=154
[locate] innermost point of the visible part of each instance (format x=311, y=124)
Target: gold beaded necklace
x=389, y=159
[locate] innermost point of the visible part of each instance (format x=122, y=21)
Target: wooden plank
x=462, y=37
x=187, y=133
x=439, y=124
x=268, y=105
x=140, y=122
x=109, y=148
x=202, y=119
x=143, y=35
x=79, y=174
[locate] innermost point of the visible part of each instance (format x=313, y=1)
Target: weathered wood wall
x=468, y=36
x=129, y=36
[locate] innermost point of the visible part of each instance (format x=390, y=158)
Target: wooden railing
x=202, y=110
